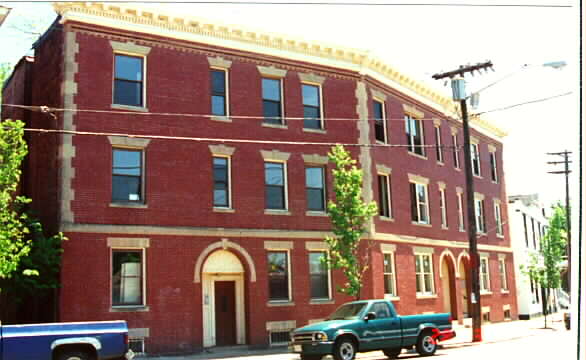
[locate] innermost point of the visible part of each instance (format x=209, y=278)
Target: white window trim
x=494, y=167
x=424, y=153
x=487, y=290
x=283, y=123
x=322, y=126
x=384, y=119
x=498, y=219
x=144, y=81
x=389, y=296
x=289, y=277
x=425, y=293
x=419, y=221
x=329, y=273
x=229, y=165
x=443, y=208
x=456, y=151
x=461, y=225
x=325, y=191
x=285, y=185
x=389, y=202
x=479, y=206
x=143, y=305
x=503, y=275
x=475, y=154
x=131, y=204
x=227, y=94
x=438, y=136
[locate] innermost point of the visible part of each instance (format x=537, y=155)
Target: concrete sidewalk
x=491, y=333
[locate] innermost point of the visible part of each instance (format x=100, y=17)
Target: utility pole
x=566, y=154
x=458, y=91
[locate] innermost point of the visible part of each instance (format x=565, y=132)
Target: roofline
x=136, y=19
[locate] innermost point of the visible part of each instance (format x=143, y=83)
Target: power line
x=523, y=103
x=224, y=140
x=329, y=3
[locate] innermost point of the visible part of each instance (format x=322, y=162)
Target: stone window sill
x=321, y=301
x=221, y=118
x=224, y=210
x=129, y=107
x=426, y=296
x=392, y=297
x=275, y=126
x=386, y=218
x=485, y=292
x=505, y=291
x=315, y=213
x=280, y=303
x=315, y=131
x=137, y=308
x=417, y=155
x=129, y=205
x=421, y=224
x=277, y=212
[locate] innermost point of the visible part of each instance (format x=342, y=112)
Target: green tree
x=13, y=230
x=544, y=267
x=349, y=216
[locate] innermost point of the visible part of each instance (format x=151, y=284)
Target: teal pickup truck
x=370, y=325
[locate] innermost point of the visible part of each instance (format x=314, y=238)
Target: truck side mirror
x=370, y=316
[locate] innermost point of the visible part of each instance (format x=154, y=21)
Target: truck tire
x=345, y=349
x=392, y=353
x=426, y=344
x=74, y=355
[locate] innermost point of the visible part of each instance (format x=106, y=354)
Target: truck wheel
x=392, y=353
x=426, y=344
x=73, y=355
x=345, y=349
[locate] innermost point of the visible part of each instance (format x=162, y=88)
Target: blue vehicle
x=98, y=340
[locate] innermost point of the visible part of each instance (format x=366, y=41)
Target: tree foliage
x=13, y=230
x=545, y=265
x=349, y=216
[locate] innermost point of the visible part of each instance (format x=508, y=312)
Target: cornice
x=133, y=18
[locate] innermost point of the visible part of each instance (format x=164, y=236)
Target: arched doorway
x=448, y=280
x=223, y=299
x=464, y=284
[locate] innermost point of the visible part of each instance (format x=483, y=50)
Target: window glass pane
x=378, y=110
x=219, y=82
x=311, y=113
x=388, y=263
x=278, y=276
x=274, y=174
x=314, y=177
x=273, y=110
x=426, y=264
x=126, y=277
x=315, y=200
x=126, y=162
x=128, y=68
x=418, y=263
x=319, y=275
x=389, y=284
x=275, y=198
x=310, y=95
x=128, y=93
x=383, y=196
x=218, y=105
x=220, y=181
x=271, y=89
x=414, y=213
x=428, y=283
x=126, y=188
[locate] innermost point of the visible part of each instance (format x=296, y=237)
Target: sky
x=421, y=41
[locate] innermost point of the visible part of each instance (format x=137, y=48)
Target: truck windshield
x=348, y=311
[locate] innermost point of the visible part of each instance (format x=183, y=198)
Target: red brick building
x=197, y=229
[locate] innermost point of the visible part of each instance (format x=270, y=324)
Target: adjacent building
x=188, y=167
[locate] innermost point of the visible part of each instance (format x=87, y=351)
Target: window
x=219, y=84
x=318, y=272
x=380, y=122
x=384, y=196
x=136, y=345
x=381, y=310
x=475, y=156
x=443, y=207
x=127, y=175
x=498, y=219
x=419, y=203
x=389, y=274
x=271, y=101
x=424, y=274
x=275, y=186
x=460, y=212
x=493, y=170
x=484, y=275
x=128, y=80
x=315, y=188
x=414, y=130
x=280, y=337
x=221, y=167
x=439, y=151
x=278, y=269
x=479, y=212
x=533, y=233
x=525, y=228
x=312, y=118
x=503, y=275
x=456, y=151
x=127, y=277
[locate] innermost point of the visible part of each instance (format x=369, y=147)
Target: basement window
x=277, y=338
x=136, y=345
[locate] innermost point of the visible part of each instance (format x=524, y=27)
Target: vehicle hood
x=328, y=325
